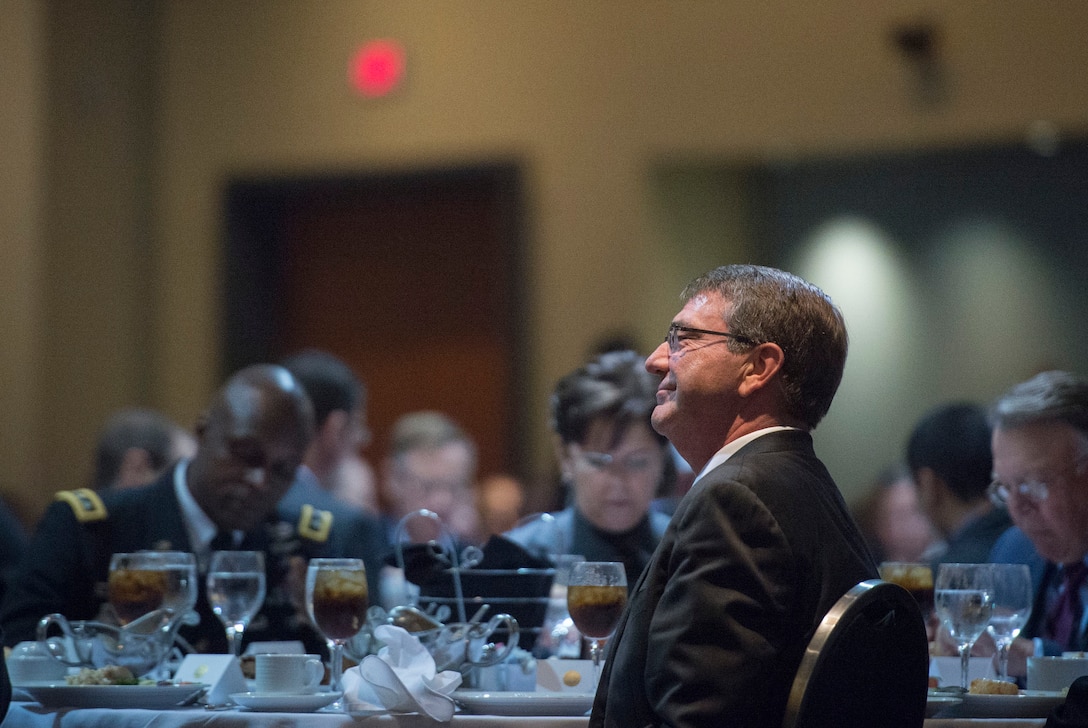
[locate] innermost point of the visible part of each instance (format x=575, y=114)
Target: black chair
x=867, y=664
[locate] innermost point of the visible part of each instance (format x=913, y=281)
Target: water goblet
x=236, y=591
x=337, y=599
x=964, y=599
x=1013, y=596
x=596, y=596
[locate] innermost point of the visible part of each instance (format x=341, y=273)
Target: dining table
x=32, y=715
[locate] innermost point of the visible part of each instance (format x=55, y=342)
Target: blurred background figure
x=950, y=460
x=891, y=519
x=135, y=446
x=1040, y=471
x=612, y=463
x=500, y=500
x=672, y=492
x=13, y=540
x=432, y=464
x=339, y=400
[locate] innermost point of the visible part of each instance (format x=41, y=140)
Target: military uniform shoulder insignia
x=314, y=524
x=85, y=504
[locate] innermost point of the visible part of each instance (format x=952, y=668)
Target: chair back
x=867, y=664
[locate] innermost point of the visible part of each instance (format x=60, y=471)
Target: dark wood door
x=413, y=281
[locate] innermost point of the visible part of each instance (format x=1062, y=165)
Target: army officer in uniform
x=250, y=443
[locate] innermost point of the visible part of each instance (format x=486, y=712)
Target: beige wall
x=592, y=98
x=21, y=88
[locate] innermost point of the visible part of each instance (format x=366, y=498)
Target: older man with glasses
x=1040, y=448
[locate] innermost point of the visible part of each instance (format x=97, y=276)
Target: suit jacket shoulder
x=756, y=553
x=67, y=559
x=351, y=533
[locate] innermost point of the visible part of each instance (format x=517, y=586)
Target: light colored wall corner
x=21, y=258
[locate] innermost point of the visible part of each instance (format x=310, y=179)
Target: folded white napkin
x=401, y=677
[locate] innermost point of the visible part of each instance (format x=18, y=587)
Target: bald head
x=251, y=441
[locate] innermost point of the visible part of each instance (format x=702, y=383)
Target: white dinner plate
x=1028, y=704
x=280, y=703
x=937, y=703
x=154, y=697
x=515, y=703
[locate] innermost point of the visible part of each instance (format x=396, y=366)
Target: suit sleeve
x=363, y=538
x=722, y=619
x=54, y=575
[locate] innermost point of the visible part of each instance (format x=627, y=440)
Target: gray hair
x=427, y=430
x=1053, y=395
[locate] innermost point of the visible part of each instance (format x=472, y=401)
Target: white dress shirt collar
x=733, y=445
x=200, y=528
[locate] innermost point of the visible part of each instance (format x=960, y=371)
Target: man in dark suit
x=250, y=443
x=762, y=546
x=1040, y=450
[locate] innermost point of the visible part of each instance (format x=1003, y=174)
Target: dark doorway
x=413, y=279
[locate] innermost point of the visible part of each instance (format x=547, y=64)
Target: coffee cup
x=1055, y=673
x=288, y=674
x=30, y=662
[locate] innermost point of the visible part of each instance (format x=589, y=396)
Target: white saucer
x=285, y=703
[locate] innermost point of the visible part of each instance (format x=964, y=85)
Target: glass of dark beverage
x=596, y=596
x=915, y=578
x=143, y=581
x=337, y=599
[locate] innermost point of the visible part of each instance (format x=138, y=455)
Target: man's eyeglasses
x=675, y=330
x=1033, y=491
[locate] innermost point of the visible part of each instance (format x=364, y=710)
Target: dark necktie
x=1065, y=613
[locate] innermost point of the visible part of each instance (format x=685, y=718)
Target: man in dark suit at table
x=250, y=443
x=762, y=546
x=1040, y=449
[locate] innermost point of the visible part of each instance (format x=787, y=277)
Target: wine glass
x=916, y=578
x=596, y=596
x=143, y=581
x=236, y=591
x=964, y=595
x=1013, y=596
x=337, y=599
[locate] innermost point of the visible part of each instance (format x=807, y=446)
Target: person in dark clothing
x=949, y=458
x=612, y=462
x=251, y=441
x=762, y=546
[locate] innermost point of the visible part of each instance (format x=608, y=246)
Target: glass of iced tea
x=143, y=581
x=596, y=596
x=337, y=599
x=915, y=578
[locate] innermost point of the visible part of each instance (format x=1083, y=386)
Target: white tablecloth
x=32, y=715
x=985, y=723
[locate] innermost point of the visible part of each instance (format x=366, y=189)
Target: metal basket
x=522, y=593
